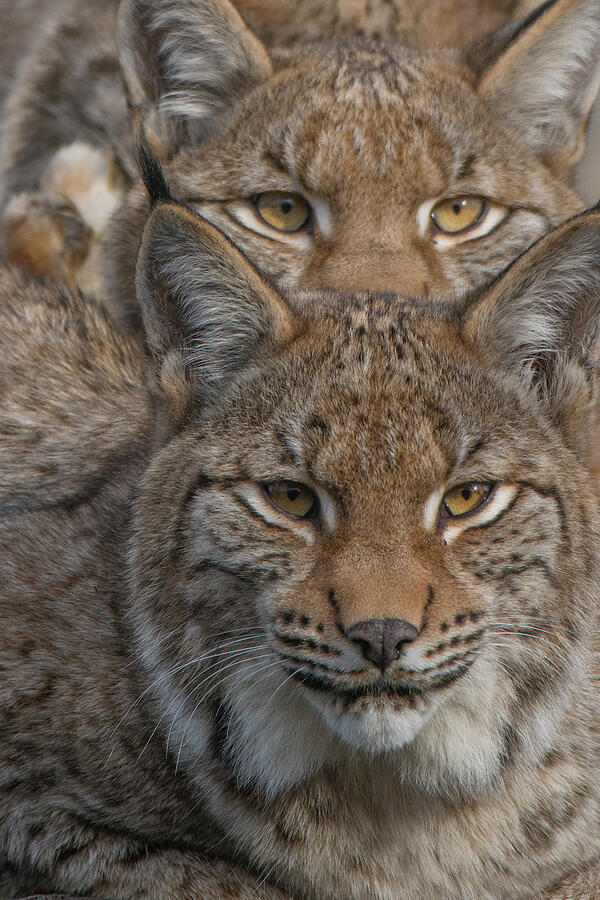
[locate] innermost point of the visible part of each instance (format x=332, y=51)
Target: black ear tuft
x=156, y=184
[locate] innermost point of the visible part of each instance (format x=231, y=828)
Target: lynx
x=346, y=163
x=311, y=608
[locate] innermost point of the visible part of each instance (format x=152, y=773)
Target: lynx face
x=357, y=164
x=375, y=200
x=378, y=508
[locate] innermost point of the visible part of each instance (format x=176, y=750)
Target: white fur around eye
x=493, y=215
x=502, y=496
x=431, y=510
x=327, y=507
x=322, y=215
x=244, y=213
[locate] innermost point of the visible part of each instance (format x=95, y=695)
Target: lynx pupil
x=465, y=498
x=455, y=214
x=292, y=497
x=282, y=210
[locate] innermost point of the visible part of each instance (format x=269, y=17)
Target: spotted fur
x=363, y=121
x=184, y=712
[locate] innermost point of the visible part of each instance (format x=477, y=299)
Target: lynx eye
x=292, y=498
x=455, y=214
x=281, y=210
x=466, y=498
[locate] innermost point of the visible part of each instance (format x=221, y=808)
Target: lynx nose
x=382, y=640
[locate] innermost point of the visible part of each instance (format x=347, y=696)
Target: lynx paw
x=55, y=233
x=45, y=235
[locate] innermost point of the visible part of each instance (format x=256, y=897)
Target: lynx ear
x=184, y=62
x=206, y=311
x=541, y=320
x=540, y=76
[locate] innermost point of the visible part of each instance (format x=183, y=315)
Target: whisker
x=170, y=672
x=205, y=672
x=552, y=630
x=138, y=657
x=229, y=655
x=264, y=671
x=531, y=650
x=199, y=703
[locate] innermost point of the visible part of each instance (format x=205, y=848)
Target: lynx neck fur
x=310, y=609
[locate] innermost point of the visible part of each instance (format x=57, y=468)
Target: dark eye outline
x=446, y=515
x=487, y=205
x=313, y=514
x=306, y=227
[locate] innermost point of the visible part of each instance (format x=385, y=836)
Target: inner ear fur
x=184, y=63
x=207, y=313
x=540, y=77
x=541, y=321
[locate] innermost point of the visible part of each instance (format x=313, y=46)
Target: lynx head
x=369, y=528
x=355, y=164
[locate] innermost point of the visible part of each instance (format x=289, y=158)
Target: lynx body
x=252, y=644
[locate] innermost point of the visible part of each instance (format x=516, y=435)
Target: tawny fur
x=183, y=712
x=370, y=127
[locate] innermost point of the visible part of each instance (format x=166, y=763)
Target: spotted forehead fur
x=351, y=87
x=386, y=366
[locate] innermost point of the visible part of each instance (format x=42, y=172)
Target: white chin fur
x=375, y=727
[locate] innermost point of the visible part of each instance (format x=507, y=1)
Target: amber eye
x=293, y=498
x=283, y=211
x=455, y=214
x=465, y=498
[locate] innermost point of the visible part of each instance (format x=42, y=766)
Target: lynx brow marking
x=291, y=446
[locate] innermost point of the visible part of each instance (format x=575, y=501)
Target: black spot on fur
x=428, y=602
x=511, y=743
x=316, y=422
